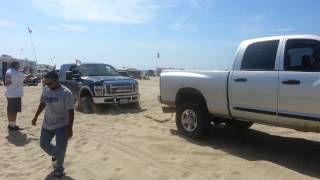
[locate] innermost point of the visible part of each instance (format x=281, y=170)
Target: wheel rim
x=189, y=120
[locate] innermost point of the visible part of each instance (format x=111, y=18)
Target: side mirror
x=68, y=75
x=75, y=71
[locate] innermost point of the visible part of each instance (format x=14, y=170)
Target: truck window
x=97, y=70
x=260, y=56
x=74, y=69
x=302, y=55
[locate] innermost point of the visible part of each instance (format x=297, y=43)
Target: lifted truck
x=97, y=83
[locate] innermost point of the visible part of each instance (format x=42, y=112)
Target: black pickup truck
x=97, y=83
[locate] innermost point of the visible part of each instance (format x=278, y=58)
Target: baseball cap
x=52, y=75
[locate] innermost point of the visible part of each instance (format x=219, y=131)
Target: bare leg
x=12, y=117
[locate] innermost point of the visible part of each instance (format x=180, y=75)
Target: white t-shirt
x=15, y=89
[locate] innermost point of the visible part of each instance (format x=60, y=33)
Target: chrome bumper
x=116, y=99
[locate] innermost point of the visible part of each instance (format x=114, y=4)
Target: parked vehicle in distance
x=150, y=73
x=274, y=81
x=97, y=83
x=31, y=81
x=131, y=72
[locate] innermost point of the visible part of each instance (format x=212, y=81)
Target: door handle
x=291, y=82
x=240, y=80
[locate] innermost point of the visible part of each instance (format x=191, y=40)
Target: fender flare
x=85, y=88
x=189, y=91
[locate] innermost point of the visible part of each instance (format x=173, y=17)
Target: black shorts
x=14, y=105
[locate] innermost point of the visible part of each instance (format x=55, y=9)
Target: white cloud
x=103, y=29
x=114, y=11
x=73, y=28
x=67, y=28
x=53, y=28
x=7, y=24
x=182, y=24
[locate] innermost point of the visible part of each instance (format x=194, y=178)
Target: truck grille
x=120, y=88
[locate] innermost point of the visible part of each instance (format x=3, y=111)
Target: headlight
x=136, y=88
x=98, y=90
x=107, y=88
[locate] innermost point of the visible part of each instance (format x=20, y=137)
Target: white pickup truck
x=274, y=81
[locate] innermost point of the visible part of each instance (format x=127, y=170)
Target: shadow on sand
x=115, y=109
x=19, y=138
x=300, y=155
x=50, y=177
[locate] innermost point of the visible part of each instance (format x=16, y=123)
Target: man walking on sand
x=14, y=91
x=58, y=103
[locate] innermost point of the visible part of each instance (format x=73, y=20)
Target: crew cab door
x=254, y=81
x=299, y=85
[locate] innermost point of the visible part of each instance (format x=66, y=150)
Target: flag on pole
x=29, y=29
x=78, y=62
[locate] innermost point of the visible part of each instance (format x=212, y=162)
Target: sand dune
x=124, y=143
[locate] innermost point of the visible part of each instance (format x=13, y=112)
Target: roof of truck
x=302, y=36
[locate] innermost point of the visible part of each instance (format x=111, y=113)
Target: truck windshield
x=97, y=70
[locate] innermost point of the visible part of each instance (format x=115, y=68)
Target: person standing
x=14, y=91
x=58, y=102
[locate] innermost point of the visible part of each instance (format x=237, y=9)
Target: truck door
x=62, y=74
x=70, y=84
x=74, y=84
x=254, y=82
x=299, y=85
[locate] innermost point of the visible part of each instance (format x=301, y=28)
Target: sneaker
x=14, y=128
x=54, y=162
x=58, y=174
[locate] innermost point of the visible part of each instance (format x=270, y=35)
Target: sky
x=192, y=34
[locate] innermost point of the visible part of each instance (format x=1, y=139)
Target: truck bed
x=213, y=85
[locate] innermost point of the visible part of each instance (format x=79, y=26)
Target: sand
x=124, y=143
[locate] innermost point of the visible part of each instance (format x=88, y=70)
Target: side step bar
x=167, y=109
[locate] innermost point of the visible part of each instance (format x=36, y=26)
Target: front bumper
x=125, y=99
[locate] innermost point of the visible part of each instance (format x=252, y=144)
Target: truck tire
x=86, y=105
x=136, y=105
x=242, y=125
x=192, y=119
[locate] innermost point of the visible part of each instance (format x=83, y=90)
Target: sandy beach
x=122, y=143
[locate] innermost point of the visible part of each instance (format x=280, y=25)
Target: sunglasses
x=50, y=83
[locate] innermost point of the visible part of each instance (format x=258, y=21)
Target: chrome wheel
x=189, y=120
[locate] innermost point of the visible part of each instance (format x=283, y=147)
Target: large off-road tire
x=242, y=125
x=136, y=105
x=192, y=119
x=86, y=105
